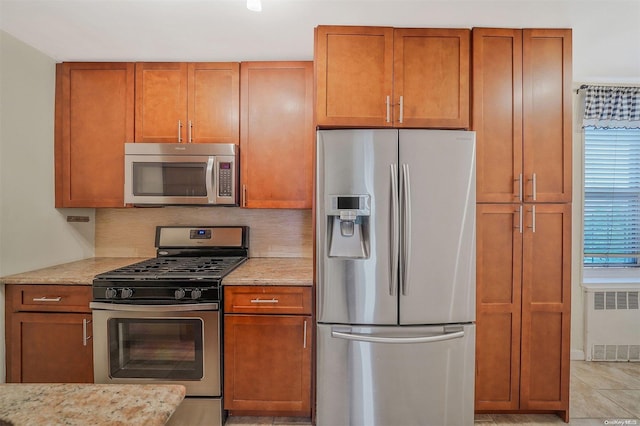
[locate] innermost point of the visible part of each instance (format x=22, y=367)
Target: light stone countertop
x=272, y=271
x=255, y=271
x=88, y=404
x=80, y=272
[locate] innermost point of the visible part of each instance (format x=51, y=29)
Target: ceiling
x=219, y=30
x=225, y=30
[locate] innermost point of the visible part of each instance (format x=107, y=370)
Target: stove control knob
x=126, y=293
x=196, y=293
x=110, y=293
x=179, y=293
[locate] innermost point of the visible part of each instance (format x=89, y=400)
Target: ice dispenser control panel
x=348, y=219
x=352, y=205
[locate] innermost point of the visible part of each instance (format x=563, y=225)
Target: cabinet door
x=498, y=281
x=354, y=76
x=497, y=114
x=546, y=293
x=214, y=97
x=49, y=348
x=277, y=134
x=547, y=106
x=267, y=364
x=431, y=78
x=161, y=102
x=94, y=118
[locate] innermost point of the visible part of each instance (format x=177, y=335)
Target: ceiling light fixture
x=254, y=5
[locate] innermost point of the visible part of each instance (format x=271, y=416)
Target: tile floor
x=602, y=393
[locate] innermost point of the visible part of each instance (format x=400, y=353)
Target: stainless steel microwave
x=180, y=174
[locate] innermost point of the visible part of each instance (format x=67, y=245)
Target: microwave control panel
x=225, y=179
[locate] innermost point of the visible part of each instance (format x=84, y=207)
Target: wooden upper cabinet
x=386, y=77
x=547, y=115
x=522, y=114
x=187, y=102
x=354, y=75
x=94, y=118
x=431, y=78
x=497, y=113
x=277, y=134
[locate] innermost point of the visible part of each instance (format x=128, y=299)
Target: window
x=612, y=197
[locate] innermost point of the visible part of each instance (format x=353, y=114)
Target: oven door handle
x=214, y=306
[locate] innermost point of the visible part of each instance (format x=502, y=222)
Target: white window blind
x=612, y=197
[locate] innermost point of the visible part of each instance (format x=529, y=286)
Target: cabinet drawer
x=267, y=300
x=49, y=298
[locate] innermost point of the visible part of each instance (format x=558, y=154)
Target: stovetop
x=189, y=267
x=174, y=268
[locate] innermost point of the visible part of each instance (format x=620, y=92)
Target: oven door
x=158, y=344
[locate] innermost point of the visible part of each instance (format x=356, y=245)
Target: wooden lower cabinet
x=48, y=331
x=267, y=357
x=523, y=308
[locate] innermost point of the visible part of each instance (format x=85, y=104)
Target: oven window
x=158, y=348
x=170, y=179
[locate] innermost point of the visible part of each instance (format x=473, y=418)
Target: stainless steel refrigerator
x=395, y=252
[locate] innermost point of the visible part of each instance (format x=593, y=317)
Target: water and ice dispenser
x=348, y=225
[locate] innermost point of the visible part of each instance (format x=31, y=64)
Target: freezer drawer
x=400, y=376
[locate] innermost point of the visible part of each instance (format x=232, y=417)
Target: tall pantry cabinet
x=521, y=112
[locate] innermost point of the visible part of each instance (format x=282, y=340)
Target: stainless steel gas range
x=159, y=320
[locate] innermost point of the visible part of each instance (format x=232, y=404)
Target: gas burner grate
x=176, y=267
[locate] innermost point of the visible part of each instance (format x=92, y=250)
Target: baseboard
x=577, y=355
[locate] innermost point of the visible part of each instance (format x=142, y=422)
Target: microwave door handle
x=211, y=196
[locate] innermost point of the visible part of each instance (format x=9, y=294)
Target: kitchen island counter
x=88, y=404
x=288, y=271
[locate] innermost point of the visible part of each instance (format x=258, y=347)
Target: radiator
x=612, y=324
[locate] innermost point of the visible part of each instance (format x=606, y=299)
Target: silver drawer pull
x=258, y=300
x=47, y=299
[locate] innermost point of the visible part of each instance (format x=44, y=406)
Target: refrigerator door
x=356, y=177
x=437, y=247
x=403, y=375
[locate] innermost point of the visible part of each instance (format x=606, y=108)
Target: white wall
x=33, y=234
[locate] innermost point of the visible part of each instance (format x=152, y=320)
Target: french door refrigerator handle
x=395, y=231
x=370, y=338
x=406, y=228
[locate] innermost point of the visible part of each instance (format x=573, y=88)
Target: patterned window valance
x=611, y=107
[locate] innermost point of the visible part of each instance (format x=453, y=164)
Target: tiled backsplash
x=130, y=232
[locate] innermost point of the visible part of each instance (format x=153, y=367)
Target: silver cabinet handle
x=179, y=131
x=370, y=338
x=519, y=213
x=388, y=102
x=519, y=179
x=304, y=341
x=189, y=131
x=47, y=299
x=534, y=189
x=244, y=195
x=395, y=231
x=406, y=228
x=535, y=193
x=258, y=300
x=533, y=219
x=85, y=338
x=401, y=108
